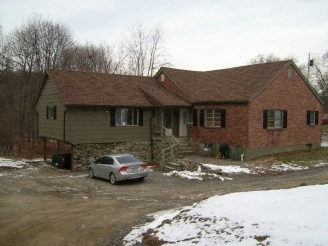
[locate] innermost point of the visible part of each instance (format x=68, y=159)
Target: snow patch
x=279, y=217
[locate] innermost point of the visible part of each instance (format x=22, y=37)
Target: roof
x=239, y=84
x=100, y=89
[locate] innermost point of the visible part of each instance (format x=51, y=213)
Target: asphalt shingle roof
x=99, y=89
x=239, y=84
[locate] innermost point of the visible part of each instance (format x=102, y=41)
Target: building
x=257, y=109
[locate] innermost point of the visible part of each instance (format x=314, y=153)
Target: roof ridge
x=95, y=73
x=250, y=65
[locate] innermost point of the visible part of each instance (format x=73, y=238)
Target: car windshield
x=126, y=159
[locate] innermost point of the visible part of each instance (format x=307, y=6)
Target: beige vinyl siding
x=92, y=125
x=48, y=127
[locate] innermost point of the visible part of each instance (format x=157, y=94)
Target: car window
x=126, y=159
x=108, y=160
x=99, y=160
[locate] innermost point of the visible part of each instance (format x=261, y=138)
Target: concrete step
x=175, y=166
x=168, y=168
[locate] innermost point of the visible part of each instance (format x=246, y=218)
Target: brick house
x=259, y=109
x=264, y=108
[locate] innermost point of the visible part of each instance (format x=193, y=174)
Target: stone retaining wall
x=83, y=154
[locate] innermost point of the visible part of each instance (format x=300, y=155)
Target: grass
x=302, y=156
x=325, y=129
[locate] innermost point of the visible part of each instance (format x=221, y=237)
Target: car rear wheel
x=141, y=179
x=112, y=179
x=91, y=174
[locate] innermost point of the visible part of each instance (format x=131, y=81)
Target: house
x=256, y=110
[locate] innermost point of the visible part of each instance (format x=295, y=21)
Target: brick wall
x=290, y=94
x=236, y=126
x=244, y=122
x=171, y=86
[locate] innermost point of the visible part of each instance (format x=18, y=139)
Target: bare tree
x=88, y=57
x=55, y=41
x=260, y=59
x=145, y=50
x=37, y=45
x=318, y=75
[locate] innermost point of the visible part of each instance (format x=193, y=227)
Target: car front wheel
x=112, y=179
x=91, y=174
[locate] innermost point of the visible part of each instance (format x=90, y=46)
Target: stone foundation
x=158, y=145
x=84, y=154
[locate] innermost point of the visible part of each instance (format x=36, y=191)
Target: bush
x=235, y=152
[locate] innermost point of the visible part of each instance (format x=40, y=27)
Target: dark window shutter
x=265, y=119
x=223, y=118
x=55, y=113
x=112, y=116
x=308, y=117
x=194, y=117
x=284, y=118
x=47, y=113
x=316, y=117
x=140, y=123
x=202, y=117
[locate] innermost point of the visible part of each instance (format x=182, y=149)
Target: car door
x=97, y=167
x=103, y=168
x=107, y=167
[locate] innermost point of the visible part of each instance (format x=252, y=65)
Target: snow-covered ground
x=296, y=216
x=226, y=172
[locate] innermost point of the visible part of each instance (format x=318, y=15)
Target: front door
x=171, y=121
x=183, y=122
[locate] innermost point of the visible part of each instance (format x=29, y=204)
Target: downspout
x=64, y=138
x=64, y=127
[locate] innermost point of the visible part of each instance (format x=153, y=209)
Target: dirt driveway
x=42, y=205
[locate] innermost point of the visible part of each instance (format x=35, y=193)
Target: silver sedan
x=118, y=167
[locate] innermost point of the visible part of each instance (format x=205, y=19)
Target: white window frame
x=212, y=117
x=51, y=112
x=126, y=117
x=275, y=119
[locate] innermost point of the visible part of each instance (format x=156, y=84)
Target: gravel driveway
x=42, y=205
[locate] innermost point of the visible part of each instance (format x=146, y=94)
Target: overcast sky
x=199, y=35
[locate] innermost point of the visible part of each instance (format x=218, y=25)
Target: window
x=213, y=117
x=190, y=116
x=162, y=77
x=126, y=159
x=105, y=160
x=51, y=112
x=126, y=117
x=312, y=118
x=274, y=119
